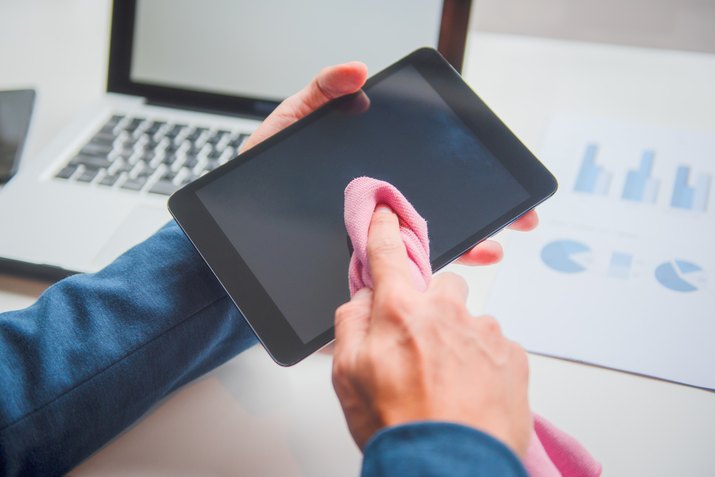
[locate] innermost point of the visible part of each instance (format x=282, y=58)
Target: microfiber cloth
x=551, y=452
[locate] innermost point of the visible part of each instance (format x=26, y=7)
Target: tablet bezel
x=270, y=325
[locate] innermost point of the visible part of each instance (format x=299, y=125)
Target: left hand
x=339, y=80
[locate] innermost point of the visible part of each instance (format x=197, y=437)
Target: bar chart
x=690, y=192
x=592, y=178
x=640, y=186
x=620, y=265
x=687, y=197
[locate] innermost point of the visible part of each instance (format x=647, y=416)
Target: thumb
x=352, y=321
x=330, y=83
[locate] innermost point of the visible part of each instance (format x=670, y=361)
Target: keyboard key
x=93, y=149
x=164, y=187
x=146, y=172
x=109, y=180
x=216, y=137
x=175, y=130
x=133, y=124
x=103, y=139
x=125, y=155
x=195, y=134
x=123, y=167
x=237, y=141
x=168, y=176
x=107, y=129
x=87, y=175
x=169, y=159
x=92, y=162
x=191, y=162
x=147, y=156
x=67, y=171
x=114, y=120
x=154, y=126
x=134, y=184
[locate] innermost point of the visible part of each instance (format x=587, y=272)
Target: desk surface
x=254, y=418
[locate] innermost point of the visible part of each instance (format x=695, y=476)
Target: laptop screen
x=269, y=49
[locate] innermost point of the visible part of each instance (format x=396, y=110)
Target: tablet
x=270, y=222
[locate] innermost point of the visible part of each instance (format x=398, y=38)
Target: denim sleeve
x=431, y=449
x=95, y=352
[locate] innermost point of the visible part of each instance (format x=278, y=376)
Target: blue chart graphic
x=680, y=276
x=620, y=265
x=592, y=178
x=566, y=256
x=692, y=198
x=639, y=185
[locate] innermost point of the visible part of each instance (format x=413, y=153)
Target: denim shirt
x=95, y=352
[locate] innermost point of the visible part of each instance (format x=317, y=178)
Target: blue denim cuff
x=432, y=448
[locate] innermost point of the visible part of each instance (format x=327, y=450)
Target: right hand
x=402, y=355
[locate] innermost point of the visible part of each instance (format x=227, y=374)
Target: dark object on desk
x=270, y=222
x=15, y=114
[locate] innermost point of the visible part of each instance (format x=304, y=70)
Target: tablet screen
x=282, y=210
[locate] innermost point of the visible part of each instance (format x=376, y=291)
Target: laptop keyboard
x=140, y=154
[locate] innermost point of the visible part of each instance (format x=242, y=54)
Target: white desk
x=251, y=417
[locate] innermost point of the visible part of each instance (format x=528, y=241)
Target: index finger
x=386, y=253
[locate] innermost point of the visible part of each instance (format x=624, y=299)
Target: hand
x=402, y=355
x=336, y=81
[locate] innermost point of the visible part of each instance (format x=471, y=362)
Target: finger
x=352, y=321
x=449, y=285
x=330, y=83
x=488, y=252
x=386, y=253
x=526, y=222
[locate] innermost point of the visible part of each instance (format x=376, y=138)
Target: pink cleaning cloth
x=362, y=195
x=551, y=452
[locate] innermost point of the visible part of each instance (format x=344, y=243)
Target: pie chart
x=680, y=276
x=566, y=256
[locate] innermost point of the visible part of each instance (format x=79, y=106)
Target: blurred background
x=670, y=24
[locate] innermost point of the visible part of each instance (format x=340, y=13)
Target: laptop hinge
x=259, y=110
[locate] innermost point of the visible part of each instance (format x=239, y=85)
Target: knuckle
x=339, y=368
x=453, y=279
x=350, y=310
x=344, y=311
x=488, y=324
x=396, y=304
x=450, y=305
x=340, y=382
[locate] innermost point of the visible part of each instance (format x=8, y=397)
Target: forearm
x=96, y=351
x=437, y=449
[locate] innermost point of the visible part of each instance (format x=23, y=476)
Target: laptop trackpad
x=141, y=222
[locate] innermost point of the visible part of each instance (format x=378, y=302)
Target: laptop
x=188, y=81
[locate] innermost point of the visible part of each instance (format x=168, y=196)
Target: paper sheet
x=621, y=271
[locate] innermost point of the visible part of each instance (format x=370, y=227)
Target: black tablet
x=270, y=222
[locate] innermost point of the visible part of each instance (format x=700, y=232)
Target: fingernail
x=383, y=208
